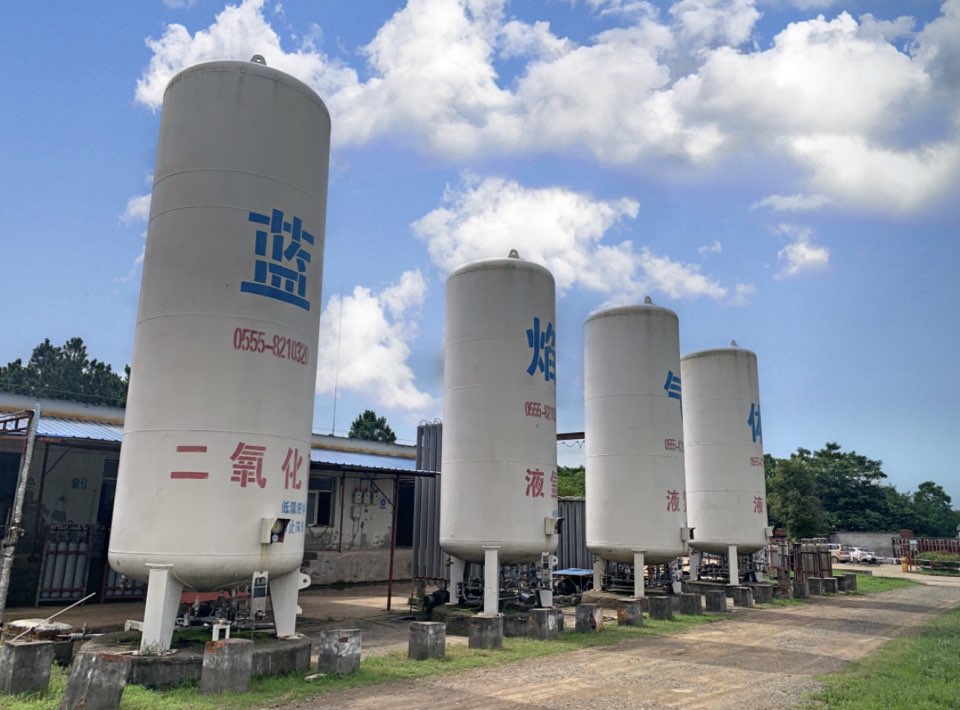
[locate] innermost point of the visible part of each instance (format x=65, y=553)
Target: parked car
x=838, y=552
x=863, y=556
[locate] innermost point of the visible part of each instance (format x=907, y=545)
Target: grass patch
x=280, y=691
x=919, y=672
x=868, y=584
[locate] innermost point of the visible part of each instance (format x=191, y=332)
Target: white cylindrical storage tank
x=634, y=434
x=216, y=441
x=726, y=490
x=499, y=460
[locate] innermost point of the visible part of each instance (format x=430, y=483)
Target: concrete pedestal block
x=486, y=631
x=690, y=603
x=850, y=582
x=338, y=650
x=227, y=666
x=428, y=639
x=631, y=613
x=742, y=597
x=815, y=585
x=830, y=585
x=661, y=608
x=543, y=624
x=96, y=682
x=589, y=619
x=514, y=625
x=716, y=600
x=801, y=590
x=559, y=614
x=763, y=594
x=25, y=666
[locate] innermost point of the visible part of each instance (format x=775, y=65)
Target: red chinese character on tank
x=673, y=501
x=248, y=465
x=291, y=467
x=758, y=504
x=534, y=483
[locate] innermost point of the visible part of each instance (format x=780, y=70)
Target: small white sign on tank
x=215, y=461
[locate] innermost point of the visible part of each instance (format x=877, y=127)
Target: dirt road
x=758, y=659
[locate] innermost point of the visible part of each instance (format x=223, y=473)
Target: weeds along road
x=757, y=659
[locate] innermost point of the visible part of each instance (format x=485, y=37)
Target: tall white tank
x=723, y=439
x=499, y=460
x=216, y=443
x=635, y=487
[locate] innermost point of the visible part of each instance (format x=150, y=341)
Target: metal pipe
x=343, y=484
x=54, y=616
x=393, y=542
x=13, y=532
x=43, y=480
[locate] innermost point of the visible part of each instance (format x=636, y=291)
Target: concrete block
x=661, y=608
x=338, y=650
x=559, y=614
x=517, y=624
x=486, y=631
x=742, y=597
x=830, y=585
x=589, y=619
x=96, y=682
x=690, y=604
x=716, y=600
x=543, y=624
x=763, y=594
x=815, y=584
x=850, y=582
x=25, y=666
x=631, y=613
x=281, y=657
x=428, y=639
x=227, y=666
x=801, y=590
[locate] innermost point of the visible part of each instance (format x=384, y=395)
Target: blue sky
x=780, y=173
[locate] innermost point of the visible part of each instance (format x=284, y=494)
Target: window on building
x=320, y=500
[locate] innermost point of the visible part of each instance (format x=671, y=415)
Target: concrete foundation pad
x=457, y=620
x=661, y=608
x=815, y=585
x=589, y=618
x=716, y=600
x=850, y=582
x=25, y=666
x=338, y=651
x=742, y=597
x=631, y=613
x=830, y=585
x=763, y=593
x=801, y=590
x=543, y=624
x=428, y=639
x=96, y=682
x=486, y=631
x=690, y=603
x=227, y=666
x=607, y=600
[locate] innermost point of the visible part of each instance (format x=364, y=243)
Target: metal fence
x=429, y=562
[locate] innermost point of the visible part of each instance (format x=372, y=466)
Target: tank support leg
x=491, y=581
x=456, y=578
x=695, y=557
x=732, y=565
x=284, y=591
x=160, y=613
x=598, y=566
x=638, y=573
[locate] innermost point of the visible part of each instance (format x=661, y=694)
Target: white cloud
x=742, y=294
x=180, y=4
x=707, y=250
x=560, y=229
x=365, y=342
x=791, y=203
x=800, y=254
x=137, y=210
x=685, y=86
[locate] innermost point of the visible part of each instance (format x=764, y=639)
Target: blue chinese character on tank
x=543, y=343
x=672, y=385
x=280, y=268
x=754, y=422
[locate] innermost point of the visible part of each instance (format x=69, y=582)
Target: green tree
x=571, y=481
x=935, y=517
x=792, y=500
x=850, y=488
x=65, y=372
x=369, y=427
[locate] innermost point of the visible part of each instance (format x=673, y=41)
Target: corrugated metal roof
x=352, y=458
x=74, y=429
x=57, y=427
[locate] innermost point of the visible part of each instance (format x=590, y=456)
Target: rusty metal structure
x=797, y=561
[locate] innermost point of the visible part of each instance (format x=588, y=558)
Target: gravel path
x=758, y=659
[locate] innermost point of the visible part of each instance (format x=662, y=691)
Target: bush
x=939, y=556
